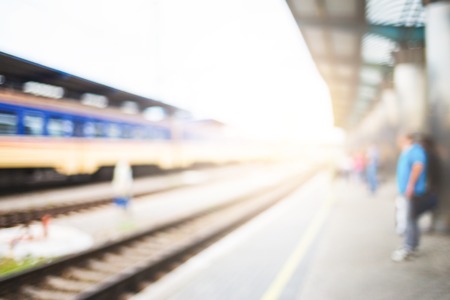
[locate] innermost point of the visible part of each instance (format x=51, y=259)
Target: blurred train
x=43, y=139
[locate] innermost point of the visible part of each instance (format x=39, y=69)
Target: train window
x=33, y=125
x=68, y=128
x=113, y=131
x=89, y=129
x=59, y=127
x=138, y=132
x=99, y=129
x=78, y=128
x=160, y=133
x=127, y=132
x=156, y=133
x=168, y=134
x=150, y=133
x=8, y=123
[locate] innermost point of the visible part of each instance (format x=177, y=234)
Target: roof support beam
x=399, y=34
x=332, y=23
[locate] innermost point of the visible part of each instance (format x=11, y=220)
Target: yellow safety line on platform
x=299, y=253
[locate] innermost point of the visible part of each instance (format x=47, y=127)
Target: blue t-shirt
x=415, y=154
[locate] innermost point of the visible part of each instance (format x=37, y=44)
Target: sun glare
x=242, y=62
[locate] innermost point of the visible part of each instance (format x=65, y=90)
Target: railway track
x=112, y=270
x=19, y=216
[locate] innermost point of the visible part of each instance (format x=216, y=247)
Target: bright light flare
x=242, y=62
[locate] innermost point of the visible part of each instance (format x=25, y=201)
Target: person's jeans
x=415, y=207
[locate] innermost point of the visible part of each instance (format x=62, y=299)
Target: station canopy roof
x=17, y=71
x=352, y=42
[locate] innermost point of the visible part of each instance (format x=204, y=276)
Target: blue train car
x=46, y=138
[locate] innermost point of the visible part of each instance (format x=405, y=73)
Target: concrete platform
x=330, y=240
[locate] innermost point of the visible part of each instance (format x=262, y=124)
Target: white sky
x=241, y=61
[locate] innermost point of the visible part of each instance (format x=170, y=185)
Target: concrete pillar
x=389, y=100
x=437, y=38
x=410, y=87
x=389, y=130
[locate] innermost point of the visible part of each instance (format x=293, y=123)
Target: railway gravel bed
x=114, y=269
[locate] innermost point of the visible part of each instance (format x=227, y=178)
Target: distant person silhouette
x=372, y=158
x=122, y=183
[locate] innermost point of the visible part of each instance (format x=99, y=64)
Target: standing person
x=122, y=184
x=411, y=182
x=372, y=168
x=359, y=165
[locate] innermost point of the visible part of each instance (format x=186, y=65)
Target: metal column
x=410, y=86
x=438, y=67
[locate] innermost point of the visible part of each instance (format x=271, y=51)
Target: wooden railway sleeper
x=117, y=261
x=135, y=257
x=119, y=264
x=85, y=274
x=66, y=285
x=43, y=294
x=103, y=267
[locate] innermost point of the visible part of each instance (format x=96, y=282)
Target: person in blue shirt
x=371, y=168
x=412, y=186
